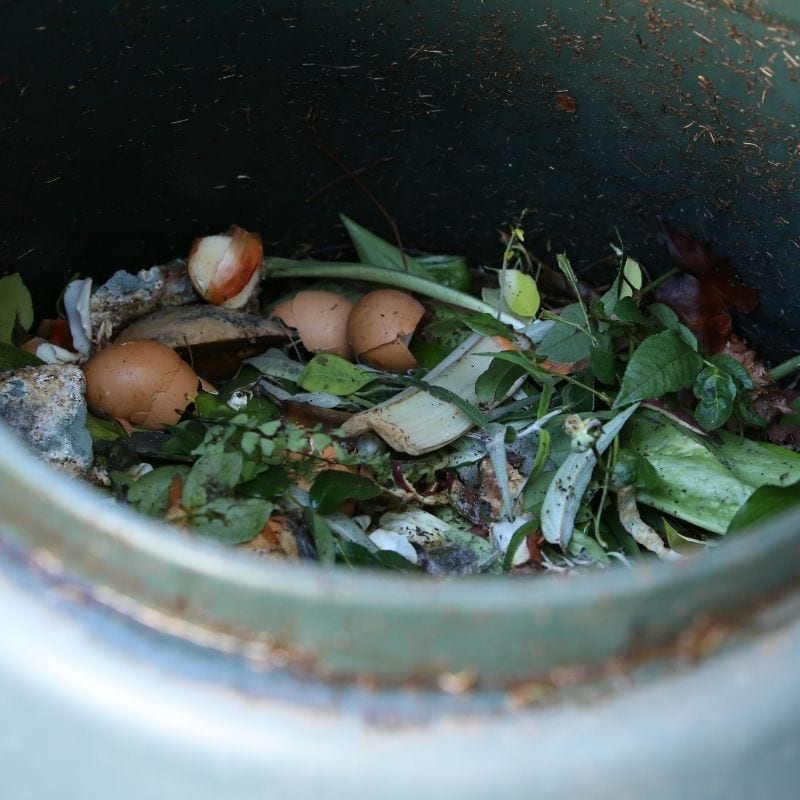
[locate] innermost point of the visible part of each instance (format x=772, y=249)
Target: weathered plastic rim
x=335, y=622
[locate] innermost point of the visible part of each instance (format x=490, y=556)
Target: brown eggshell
x=142, y=382
x=391, y=357
x=320, y=318
x=379, y=327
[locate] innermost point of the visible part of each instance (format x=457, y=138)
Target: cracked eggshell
x=144, y=383
x=380, y=327
x=320, y=318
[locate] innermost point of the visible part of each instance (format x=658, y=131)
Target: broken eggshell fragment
x=320, y=318
x=225, y=269
x=142, y=383
x=214, y=339
x=380, y=327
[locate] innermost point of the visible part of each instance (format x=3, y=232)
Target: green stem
x=787, y=368
x=654, y=284
x=290, y=268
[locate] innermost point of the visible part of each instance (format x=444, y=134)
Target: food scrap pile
x=380, y=413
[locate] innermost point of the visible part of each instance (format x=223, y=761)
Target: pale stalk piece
x=645, y=535
x=416, y=422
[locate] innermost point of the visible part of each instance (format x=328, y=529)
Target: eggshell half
x=379, y=327
x=320, y=318
x=141, y=382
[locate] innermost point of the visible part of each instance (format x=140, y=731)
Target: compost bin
x=139, y=662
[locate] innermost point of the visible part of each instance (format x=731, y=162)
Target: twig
x=312, y=121
x=359, y=171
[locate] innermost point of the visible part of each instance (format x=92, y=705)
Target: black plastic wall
x=128, y=128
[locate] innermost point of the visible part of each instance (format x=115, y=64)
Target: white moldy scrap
x=45, y=407
x=125, y=297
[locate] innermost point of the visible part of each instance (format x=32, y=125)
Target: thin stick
x=312, y=121
x=358, y=171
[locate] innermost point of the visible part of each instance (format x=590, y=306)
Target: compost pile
x=383, y=413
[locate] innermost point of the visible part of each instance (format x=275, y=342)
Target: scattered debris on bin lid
x=377, y=413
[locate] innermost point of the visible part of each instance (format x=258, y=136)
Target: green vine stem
x=291, y=268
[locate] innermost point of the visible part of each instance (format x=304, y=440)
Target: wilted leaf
x=703, y=295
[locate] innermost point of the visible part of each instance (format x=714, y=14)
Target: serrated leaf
x=377, y=252
x=520, y=292
x=566, y=342
x=661, y=364
x=716, y=392
x=668, y=319
x=16, y=307
x=332, y=487
x=332, y=374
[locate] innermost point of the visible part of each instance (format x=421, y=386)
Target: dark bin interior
x=130, y=128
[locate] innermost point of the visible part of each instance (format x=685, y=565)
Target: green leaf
x=103, y=430
x=269, y=484
x=765, y=502
x=517, y=538
x=495, y=383
x=705, y=480
x=150, y=493
x=332, y=374
x=567, y=341
x=633, y=469
x=668, y=319
x=211, y=475
x=486, y=325
x=603, y=359
x=332, y=487
x=565, y=492
x=662, y=363
x=520, y=292
x=746, y=414
x=377, y=252
x=716, y=391
x=277, y=365
x=452, y=271
x=631, y=278
x=734, y=368
x=356, y=555
x=13, y=357
x=323, y=537
x=231, y=521
x=16, y=307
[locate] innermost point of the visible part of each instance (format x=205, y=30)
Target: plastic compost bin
x=139, y=663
